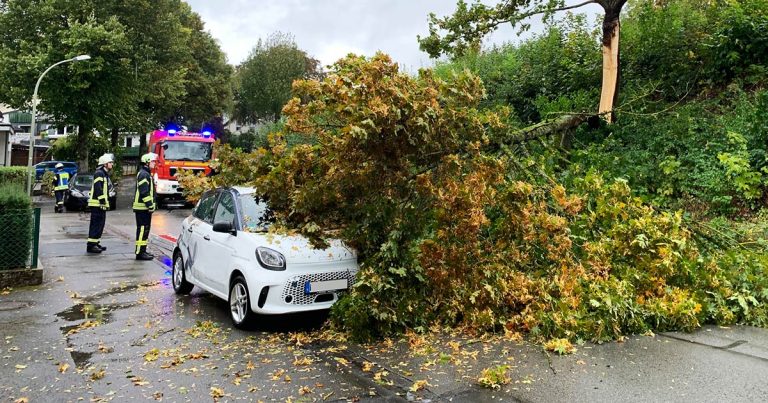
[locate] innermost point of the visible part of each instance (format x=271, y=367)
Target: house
x=6, y=131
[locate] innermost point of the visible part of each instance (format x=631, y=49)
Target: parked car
x=40, y=168
x=79, y=192
x=225, y=248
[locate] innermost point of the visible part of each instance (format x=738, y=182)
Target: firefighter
x=144, y=204
x=60, y=186
x=99, y=202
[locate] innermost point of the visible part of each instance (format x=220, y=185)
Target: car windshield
x=257, y=217
x=187, y=151
x=83, y=180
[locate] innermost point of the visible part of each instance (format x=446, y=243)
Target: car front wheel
x=240, y=303
x=180, y=283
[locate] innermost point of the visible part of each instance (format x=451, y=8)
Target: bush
x=16, y=218
x=13, y=175
x=680, y=159
x=561, y=62
x=65, y=149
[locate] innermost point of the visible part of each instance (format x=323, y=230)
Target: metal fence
x=19, y=245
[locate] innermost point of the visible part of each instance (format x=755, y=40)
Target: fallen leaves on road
x=151, y=355
x=217, y=393
x=85, y=325
x=63, y=367
x=419, y=385
x=560, y=346
x=304, y=390
x=98, y=374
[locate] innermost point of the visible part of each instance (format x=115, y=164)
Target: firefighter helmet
x=148, y=157
x=106, y=158
x=59, y=165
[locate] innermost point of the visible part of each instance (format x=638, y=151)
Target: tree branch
x=542, y=129
x=542, y=11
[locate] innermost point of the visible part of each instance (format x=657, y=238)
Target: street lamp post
x=35, y=101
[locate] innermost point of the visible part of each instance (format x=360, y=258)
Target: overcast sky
x=330, y=29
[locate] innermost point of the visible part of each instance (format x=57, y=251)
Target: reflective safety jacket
x=145, y=191
x=61, y=180
x=100, y=189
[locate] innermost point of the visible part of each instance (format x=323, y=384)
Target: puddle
x=82, y=359
x=89, y=311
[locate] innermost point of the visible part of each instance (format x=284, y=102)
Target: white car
x=225, y=249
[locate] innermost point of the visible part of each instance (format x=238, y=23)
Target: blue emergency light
x=171, y=129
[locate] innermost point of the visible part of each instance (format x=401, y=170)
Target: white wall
x=5, y=150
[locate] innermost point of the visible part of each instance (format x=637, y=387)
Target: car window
x=225, y=210
x=256, y=216
x=70, y=165
x=83, y=180
x=204, y=209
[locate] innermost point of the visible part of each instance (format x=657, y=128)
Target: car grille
x=194, y=170
x=295, y=286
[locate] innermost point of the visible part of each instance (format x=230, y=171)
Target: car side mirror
x=225, y=227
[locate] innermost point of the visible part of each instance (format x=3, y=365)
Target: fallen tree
x=412, y=174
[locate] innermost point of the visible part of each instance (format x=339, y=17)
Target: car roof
x=243, y=190
x=56, y=162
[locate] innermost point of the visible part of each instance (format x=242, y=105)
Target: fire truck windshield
x=187, y=151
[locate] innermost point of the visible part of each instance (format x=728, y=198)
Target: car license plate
x=319, y=286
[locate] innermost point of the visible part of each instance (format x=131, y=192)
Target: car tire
x=240, y=303
x=178, y=278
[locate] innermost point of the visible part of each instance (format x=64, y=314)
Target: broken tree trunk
x=611, y=30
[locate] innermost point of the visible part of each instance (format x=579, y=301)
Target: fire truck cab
x=177, y=150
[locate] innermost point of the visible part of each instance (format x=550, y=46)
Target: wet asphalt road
x=109, y=328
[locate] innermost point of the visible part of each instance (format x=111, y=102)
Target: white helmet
x=106, y=158
x=59, y=165
x=148, y=157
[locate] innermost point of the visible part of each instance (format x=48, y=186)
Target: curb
x=21, y=277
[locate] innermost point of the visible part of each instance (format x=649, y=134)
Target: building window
x=128, y=142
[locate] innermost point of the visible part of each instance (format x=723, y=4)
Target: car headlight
x=270, y=259
x=76, y=193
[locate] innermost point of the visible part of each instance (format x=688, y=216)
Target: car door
x=194, y=235
x=219, y=250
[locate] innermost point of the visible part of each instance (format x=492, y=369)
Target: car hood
x=298, y=250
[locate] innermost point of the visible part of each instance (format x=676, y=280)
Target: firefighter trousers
x=59, y=198
x=98, y=218
x=143, y=224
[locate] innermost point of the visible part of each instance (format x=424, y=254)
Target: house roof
x=18, y=117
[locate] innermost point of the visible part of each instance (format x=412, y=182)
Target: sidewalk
x=52, y=353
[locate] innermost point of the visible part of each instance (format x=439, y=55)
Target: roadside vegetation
x=472, y=206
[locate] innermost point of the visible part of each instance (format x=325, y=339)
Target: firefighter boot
x=145, y=256
x=93, y=248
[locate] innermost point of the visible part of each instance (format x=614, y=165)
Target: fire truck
x=177, y=150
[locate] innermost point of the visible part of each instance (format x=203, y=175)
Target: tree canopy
x=150, y=61
x=263, y=80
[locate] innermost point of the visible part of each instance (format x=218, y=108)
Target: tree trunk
x=142, y=144
x=115, y=135
x=610, y=90
x=82, y=147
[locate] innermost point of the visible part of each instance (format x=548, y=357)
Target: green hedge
x=13, y=175
x=16, y=217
